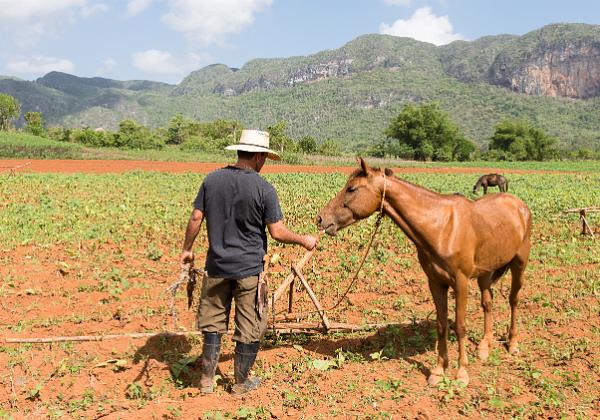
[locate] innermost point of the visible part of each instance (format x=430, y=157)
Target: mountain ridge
x=350, y=93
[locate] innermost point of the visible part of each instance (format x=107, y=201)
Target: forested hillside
x=549, y=77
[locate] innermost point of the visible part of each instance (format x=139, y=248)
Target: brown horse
x=457, y=239
x=491, y=180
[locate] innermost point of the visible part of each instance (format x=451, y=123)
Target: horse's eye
x=351, y=188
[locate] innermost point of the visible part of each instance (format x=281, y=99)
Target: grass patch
x=27, y=146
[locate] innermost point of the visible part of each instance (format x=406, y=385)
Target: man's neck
x=246, y=164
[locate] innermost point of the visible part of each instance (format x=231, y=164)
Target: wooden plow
x=583, y=211
x=288, y=282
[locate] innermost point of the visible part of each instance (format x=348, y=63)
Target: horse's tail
x=505, y=185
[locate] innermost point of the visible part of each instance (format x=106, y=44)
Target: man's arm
x=281, y=233
x=193, y=227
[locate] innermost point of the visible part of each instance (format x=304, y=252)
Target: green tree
x=522, y=141
x=329, y=147
x=178, y=129
x=9, y=111
x=430, y=133
x=95, y=138
x=223, y=131
x=308, y=145
x=388, y=147
x=278, y=139
x=464, y=150
x=35, y=123
x=132, y=135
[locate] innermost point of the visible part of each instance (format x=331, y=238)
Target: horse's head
x=360, y=197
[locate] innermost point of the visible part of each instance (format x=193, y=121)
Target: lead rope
x=375, y=229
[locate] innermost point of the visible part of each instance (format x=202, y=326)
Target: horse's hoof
x=433, y=379
x=513, y=349
x=483, y=352
x=462, y=376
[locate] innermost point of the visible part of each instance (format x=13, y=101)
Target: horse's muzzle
x=322, y=225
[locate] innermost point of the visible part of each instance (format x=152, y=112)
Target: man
x=238, y=205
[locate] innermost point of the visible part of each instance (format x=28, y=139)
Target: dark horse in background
x=491, y=180
x=457, y=239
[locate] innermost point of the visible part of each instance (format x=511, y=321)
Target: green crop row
x=146, y=207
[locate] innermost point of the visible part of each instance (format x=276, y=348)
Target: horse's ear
x=364, y=165
x=388, y=172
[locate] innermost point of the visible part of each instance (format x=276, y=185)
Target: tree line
x=419, y=132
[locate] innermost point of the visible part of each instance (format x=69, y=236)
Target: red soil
x=119, y=166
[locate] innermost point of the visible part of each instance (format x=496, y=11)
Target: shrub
x=35, y=124
x=9, y=111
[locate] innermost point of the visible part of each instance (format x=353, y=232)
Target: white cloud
x=38, y=65
x=39, y=10
x=92, y=9
x=135, y=7
x=26, y=10
x=398, y=2
x=210, y=21
x=423, y=25
x=106, y=67
x=159, y=62
x=27, y=21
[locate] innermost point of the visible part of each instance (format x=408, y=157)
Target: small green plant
x=182, y=366
x=494, y=357
x=174, y=411
x=5, y=415
x=293, y=400
x=399, y=303
x=135, y=391
x=350, y=356
x=251, y=413
x=450, y=389
x=154, y=253
x=34, y=394
x=388, y=384
x=494, y=399
x=117, y=365
x=378, y=356
x=86, y=400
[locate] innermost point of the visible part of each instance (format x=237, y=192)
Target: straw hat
x=254, y=141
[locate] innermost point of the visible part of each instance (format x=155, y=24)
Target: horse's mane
x=390, y=175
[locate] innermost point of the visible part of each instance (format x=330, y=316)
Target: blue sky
x=164, y=40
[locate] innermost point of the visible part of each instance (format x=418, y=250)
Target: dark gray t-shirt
x=237, y=204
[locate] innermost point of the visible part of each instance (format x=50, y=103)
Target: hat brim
x=249, y=148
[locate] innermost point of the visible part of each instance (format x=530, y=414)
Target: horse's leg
x=462, y=292
x=439, y=291
x=484, y=188
x=517, y=268
x=485, y=283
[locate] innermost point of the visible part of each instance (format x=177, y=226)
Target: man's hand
x=309, y=242
x=186, y=257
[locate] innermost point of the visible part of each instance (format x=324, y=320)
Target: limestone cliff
x=557, y=60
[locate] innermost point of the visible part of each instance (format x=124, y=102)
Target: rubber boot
x=245, y=355
x=210, y=357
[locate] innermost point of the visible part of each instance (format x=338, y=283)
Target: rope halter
x=383, y=195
